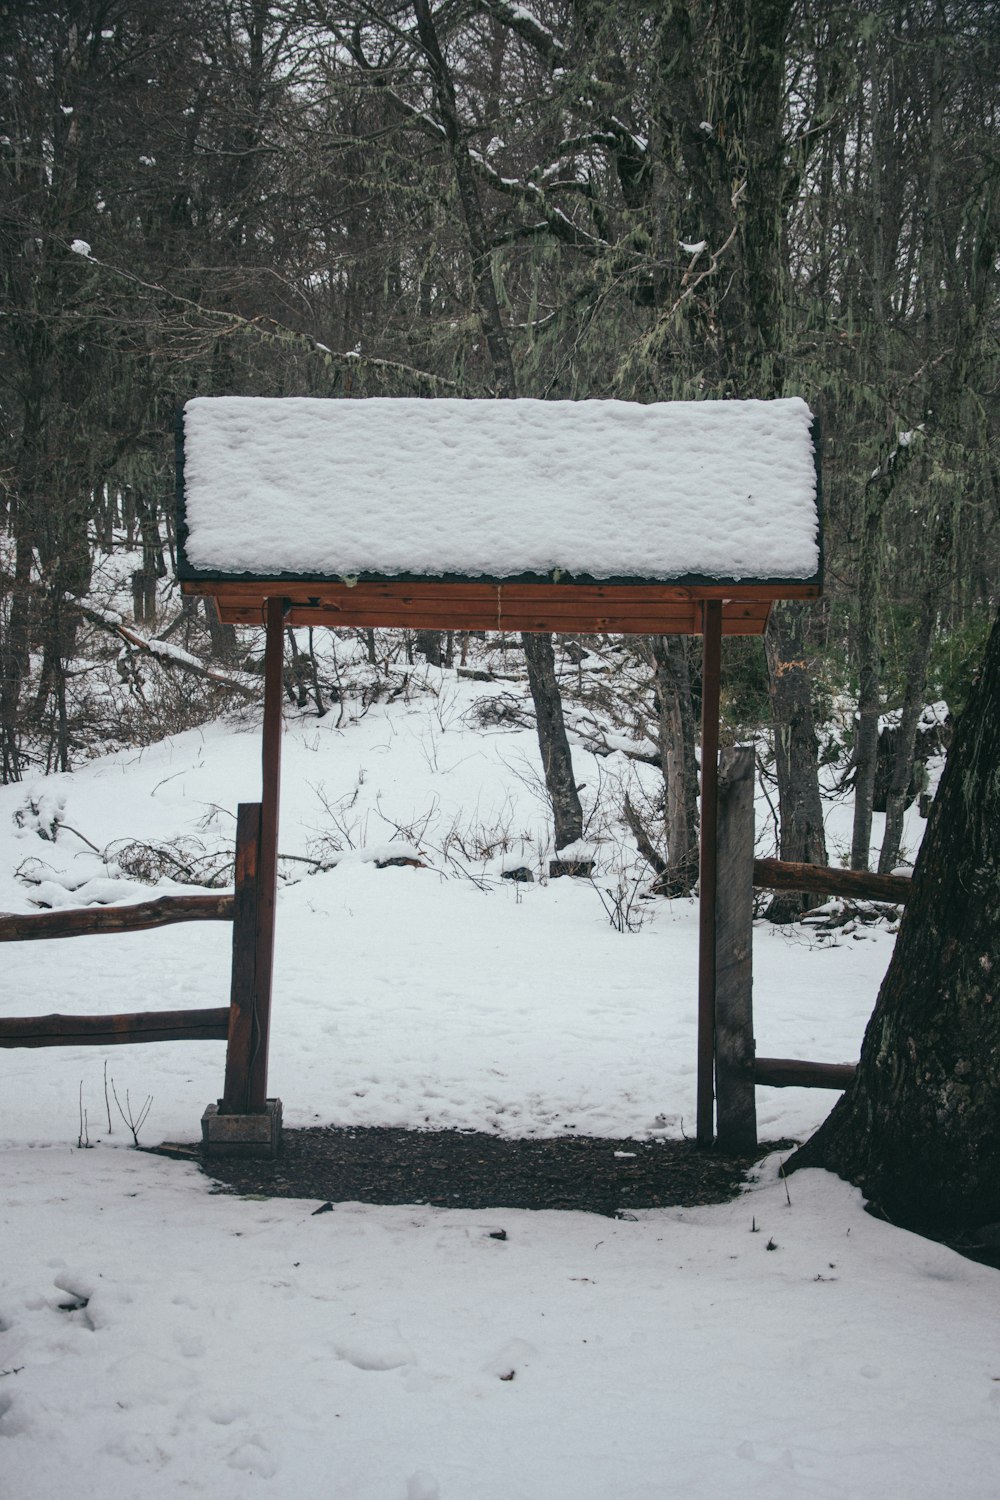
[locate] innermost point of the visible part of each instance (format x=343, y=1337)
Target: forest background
x=573, y=201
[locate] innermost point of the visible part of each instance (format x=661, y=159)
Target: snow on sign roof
x=498, y=490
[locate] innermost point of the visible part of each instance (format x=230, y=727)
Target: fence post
x=243, y=1038
x=734, y=1042
x=711, y=613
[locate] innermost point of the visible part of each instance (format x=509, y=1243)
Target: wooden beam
x=856, y=885
x=242, y=1039
x=711, y=665
x=267, y=877
x=579, y=622
x=208, y=1025
x=735, y=1103
x=329, y=591
x=89, y=921
x=791, y=1073
x=442, y=604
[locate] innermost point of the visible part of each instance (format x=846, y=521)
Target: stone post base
x=257, y=1137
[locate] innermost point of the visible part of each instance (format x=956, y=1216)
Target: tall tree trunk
x=906, y=735
x=483, y=287
x=430, y=644
x=918, y=1130
x=14, y=660
x=552, y=740
x=868, y=658
x=221, y=636
x=679, y=762
x=557, y=763
x=800, y=808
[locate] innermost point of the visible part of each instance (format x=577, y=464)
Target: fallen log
x=206, y=1025
x=84, y=921
x=857, y=885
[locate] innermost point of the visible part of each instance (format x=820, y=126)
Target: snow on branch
x=529, y=28
x=555, y=220
x=164, y=651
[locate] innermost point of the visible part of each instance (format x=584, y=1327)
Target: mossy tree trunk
x=919, y=1128
x=803, y=838
x=557, y=762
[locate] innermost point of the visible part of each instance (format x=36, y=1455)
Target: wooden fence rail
x=791, y=1073
x=208, y=1025
x=738, y=1071
x=87, y=921
x=240, y=1023
x=827, y=880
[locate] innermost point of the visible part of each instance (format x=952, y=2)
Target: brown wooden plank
x=858, y=885
x=89, y=921
x=562, y=608
x=484, y=600
x=258, y=591
x=793, y=1073
x=206, y=1025
x=711, y=664
x=580, y=622
x=267, y=871
x=242, y=1028
x=735, y=1102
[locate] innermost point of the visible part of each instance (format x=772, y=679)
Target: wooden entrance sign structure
x=574, y=517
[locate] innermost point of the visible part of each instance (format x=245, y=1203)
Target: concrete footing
x=257, y=1137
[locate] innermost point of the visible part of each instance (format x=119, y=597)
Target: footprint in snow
x=509, y=1361
x=224, y=1413
x=375, y=1350
x=252, y=1457
x=422, y=1486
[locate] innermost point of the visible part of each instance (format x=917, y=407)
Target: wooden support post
x=267, y=873
x=711, y=665
x=242, y=1043
x=735, y=1101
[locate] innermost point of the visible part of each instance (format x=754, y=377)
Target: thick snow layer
x=610, y=489
x=159, y=1340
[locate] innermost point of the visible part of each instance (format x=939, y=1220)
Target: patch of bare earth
x=469, y=1169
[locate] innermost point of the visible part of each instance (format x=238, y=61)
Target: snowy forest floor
x=160, y=1338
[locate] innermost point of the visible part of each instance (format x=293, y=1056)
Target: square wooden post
x=711, y=667
x=267, y=873
x=243, y=1032
x=735, y=1087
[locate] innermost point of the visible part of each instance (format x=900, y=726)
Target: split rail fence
x=738, y=1070
x=238, y=1023
x=243, y=1024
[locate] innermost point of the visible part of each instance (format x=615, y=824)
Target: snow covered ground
x=157, y=1339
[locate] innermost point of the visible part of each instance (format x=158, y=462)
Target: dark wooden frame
x=253, y=937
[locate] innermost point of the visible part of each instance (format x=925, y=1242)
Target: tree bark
x=866, y=638
x=487, y=305
x=906, y=737
x=919, y=1129
x=679, y=763
x=802, y=836
x=557, y=762
x=430, y=645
